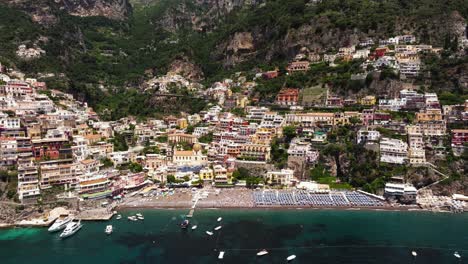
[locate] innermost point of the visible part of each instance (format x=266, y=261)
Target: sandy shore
x=231, y=199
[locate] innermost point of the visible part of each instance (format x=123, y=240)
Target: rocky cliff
x=113, y=9
x=45, y=11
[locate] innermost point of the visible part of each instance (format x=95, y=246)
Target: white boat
x=60, y=224
x=141, y=218
x=132, y=218
x=221, y=255
x=194, y=227
x=139, y=215
x=71, y=229
x=209, y=233
x=457, y=255
x=291, y=257
x=109, y=229
x=119, y=217
x=414, y=253
x=219, y=219
x=262, y=253
x=218, y=228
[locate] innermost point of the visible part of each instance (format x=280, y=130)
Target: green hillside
x=97, y=51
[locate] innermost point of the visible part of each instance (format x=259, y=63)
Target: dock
x=190, y=214
x=95, y=215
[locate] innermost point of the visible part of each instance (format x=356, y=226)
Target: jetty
x=190, y=214
x=101, y=214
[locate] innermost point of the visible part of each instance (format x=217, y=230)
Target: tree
x=135, y=167
x=171, y=179
x=206, y=138
x=106, y=163
x=120, y=144
x=162, y=139
x=289, y=132
x=241, y=174
x=318, y=172
x=251, y=182
x=189, y=129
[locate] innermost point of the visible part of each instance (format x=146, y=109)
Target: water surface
x=314, y=236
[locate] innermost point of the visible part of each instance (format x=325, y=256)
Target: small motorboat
x=109, y=229
x=184, y=224
x=218, y=228
x=139, y=215
x=194, y=227
x=118, y=217
x=221, y=255
x=290, y=258
x=414, y=253
x=209, y=233
x=219, y=219
x=140, y=218
x=457, y=255
x=262, y=253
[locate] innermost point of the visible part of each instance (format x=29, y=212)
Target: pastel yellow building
x=242, y=102
x=206, y=174
x=429, y=115
x=182, y=123
x=368, y=100
x=341, y=119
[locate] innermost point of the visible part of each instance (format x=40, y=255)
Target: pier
x=190, y=214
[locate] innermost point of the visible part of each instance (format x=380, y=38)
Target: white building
x=80, y=148
x=394, y=104
x=256, y=113
x=409, y=68
x=282, y=177
x=201, y=131
x=120, y=157
x=401, y=192
x=8, y=151
x=365, y=135
x=361, y=54
x=393, y=151
x=301, y=149
x=28, y=179
x=190, y=157
x=10, y=122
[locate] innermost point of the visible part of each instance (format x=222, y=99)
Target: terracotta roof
x=183, y=153
x=88, y=161
x=92, y=136
x=102, y=180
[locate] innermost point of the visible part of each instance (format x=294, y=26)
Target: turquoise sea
x=314, y=236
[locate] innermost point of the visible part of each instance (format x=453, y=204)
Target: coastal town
x=58, y=155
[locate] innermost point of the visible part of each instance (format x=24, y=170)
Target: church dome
x=197, y=147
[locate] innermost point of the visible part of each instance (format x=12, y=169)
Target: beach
x=191, y=200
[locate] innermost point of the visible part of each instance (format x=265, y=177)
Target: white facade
x=120, y=157
x=256, y=113
x=10, y=123
x=368, y=136
x=282, y=177
x=302, y=149
x=393, y=151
